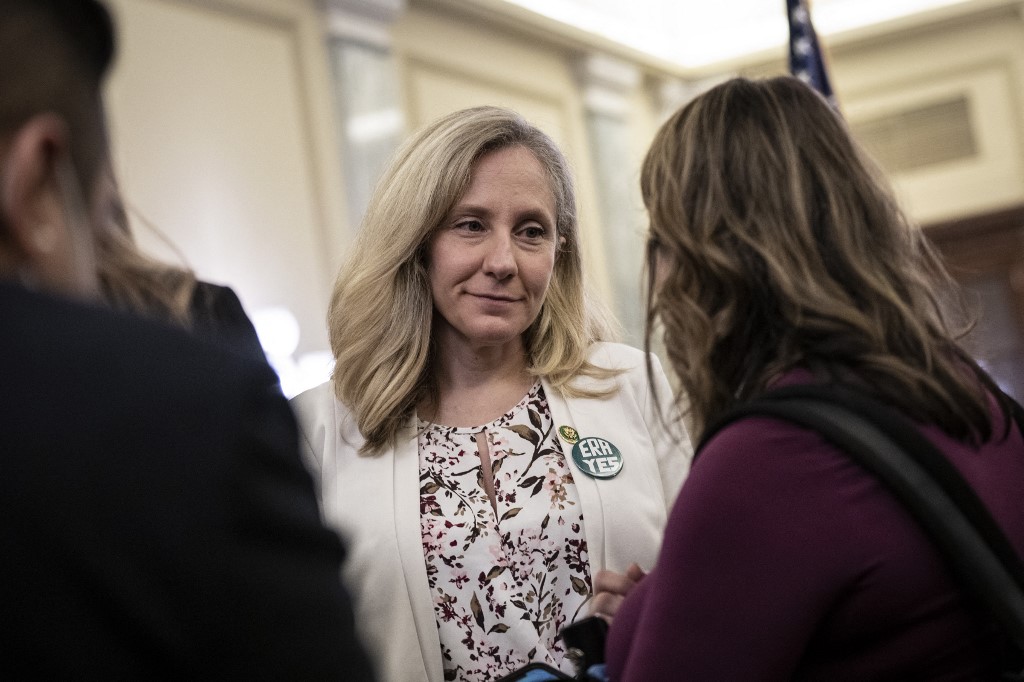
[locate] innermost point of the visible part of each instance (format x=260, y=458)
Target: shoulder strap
x=946, y=507
x=1016, y=412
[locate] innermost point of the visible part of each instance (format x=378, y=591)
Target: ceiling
x=697, y=34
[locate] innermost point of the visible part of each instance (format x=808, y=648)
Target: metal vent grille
x=919, y=137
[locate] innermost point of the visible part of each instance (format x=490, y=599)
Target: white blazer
x=373, y=502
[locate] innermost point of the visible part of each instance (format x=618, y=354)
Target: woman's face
x=491, y=261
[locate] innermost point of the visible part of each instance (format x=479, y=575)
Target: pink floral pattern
x=504, y=580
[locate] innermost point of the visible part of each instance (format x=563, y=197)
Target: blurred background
x=248, y=134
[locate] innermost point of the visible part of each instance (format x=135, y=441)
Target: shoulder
x=196, y=363
x=611, y=367
x=327, y=426
x=214, y=294
x=136, y=389
x=768, y=457
x=218, y=316
x=760, y=435
x=629, y=369
x=763, y=481
x=113, y=350
x=608, y=355
x=216, y=302
x=317, y=405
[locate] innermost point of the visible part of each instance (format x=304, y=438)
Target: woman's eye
x=534, y=232
x=470, y=225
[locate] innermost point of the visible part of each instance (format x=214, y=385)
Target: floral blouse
x=504, y=581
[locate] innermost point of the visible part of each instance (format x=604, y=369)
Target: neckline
x=473, y=430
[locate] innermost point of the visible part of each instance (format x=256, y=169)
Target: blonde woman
x=483, y=450
x=780, y=258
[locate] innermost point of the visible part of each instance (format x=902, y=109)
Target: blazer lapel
x=410, y=547
x=588, y=488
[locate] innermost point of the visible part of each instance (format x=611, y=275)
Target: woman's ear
x=42, y=243
x=29, y=193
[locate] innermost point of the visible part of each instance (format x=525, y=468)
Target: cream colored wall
x=224, y=138
x=225, y=134
x=979, y=57
x=982, y=60
x=875, y=73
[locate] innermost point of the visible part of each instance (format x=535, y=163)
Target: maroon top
x=783, y=559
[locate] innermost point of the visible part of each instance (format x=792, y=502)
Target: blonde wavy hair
x=381, y=310
x=786, y=248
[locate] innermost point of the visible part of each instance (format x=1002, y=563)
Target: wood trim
x=977, y=225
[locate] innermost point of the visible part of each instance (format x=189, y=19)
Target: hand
x=610, y=588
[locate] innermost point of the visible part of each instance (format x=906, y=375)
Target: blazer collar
x=577, y=415
x=410, y=547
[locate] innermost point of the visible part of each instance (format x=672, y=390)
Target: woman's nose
x=500, y=257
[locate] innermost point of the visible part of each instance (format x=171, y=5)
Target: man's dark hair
x=54, y=56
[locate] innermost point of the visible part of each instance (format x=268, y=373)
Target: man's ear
x=29, y=193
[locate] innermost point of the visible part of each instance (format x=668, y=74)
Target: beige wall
x=979, y=58
x=226, y=136
x=982, y=61
x=224, y=139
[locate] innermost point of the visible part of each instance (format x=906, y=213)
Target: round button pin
x=569, y=434
x=597, y=457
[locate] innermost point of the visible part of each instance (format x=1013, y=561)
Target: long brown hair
x=134, y=281
x=130, y=278
x=785, y=248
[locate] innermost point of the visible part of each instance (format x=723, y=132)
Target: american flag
x=805, y=59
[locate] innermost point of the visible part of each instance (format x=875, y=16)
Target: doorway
x=985, y=254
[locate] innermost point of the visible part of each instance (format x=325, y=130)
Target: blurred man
x=157, y=520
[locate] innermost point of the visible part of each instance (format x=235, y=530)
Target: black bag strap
x=947, y=508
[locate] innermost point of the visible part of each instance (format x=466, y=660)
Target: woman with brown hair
x=778, y=257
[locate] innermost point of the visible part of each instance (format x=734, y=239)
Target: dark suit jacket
x=155, y=518
x=218, y=316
